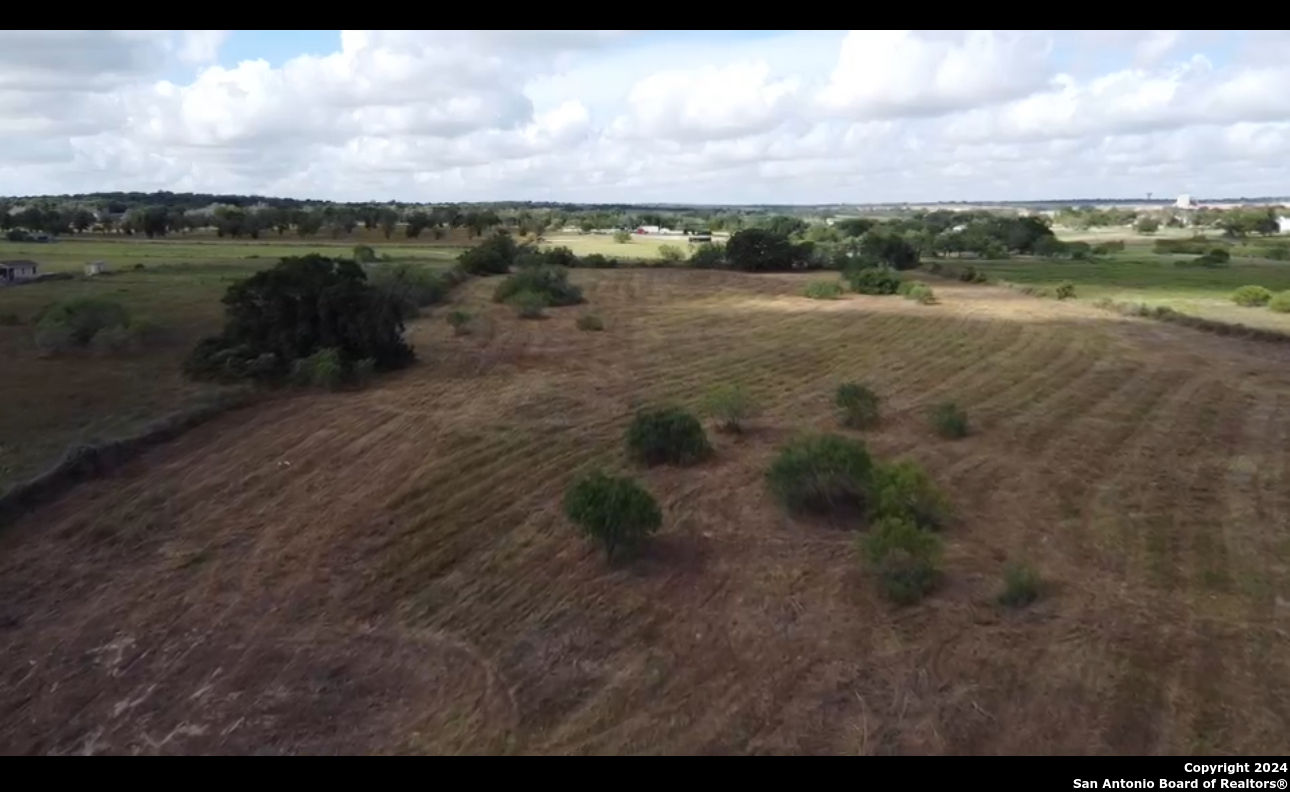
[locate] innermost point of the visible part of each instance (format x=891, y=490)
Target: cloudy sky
x=636, y=116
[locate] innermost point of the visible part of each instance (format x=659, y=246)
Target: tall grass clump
x=729, y=406
x=950, y=421
x=823, y=290
x=1252, y=296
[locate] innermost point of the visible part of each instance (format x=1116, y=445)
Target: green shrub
x=823, y=290
x=671, y=254
x=622, y=237
x=550, y=282
x=968, y=275
x=494, y=256
x=858, y=404
x=364, y=254
x=590, y=323
x=921, y=293
x=460, y=322
x=1280, y=302
x=617, y=512
x=1219, y=255
x=821, y=474
x=413, y=287
x=904, y=491
x=322, y=369
x=83, y=318
x=979, y=276
x=667, y=436
x=730, y=406
x=950, y=421
x=1022, y=585
x=1147, y=225
x=528, y=304
x=363, y=372
x=708, y=256
x=874, y=280
x=1252, y=297
x=1065, y=291
x=1276, y=253
x=905, y=558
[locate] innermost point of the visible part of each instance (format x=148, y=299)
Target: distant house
x=1284, y=224
x=18, y=271
x=1184, y=202
x=95, y=268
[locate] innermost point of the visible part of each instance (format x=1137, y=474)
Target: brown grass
x=388, y=571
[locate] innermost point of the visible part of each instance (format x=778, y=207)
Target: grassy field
x=121, y=253
x=51, y=404
x=640, y=247
x=1157, y=280
x=389, y=570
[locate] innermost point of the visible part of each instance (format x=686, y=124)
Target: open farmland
x=55, y=403
x=121, y=253
x=389, y=570
x=642, y=247
x=1157, y=280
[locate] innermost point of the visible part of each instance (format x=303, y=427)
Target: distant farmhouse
x=1284, y=223
x=17, y=271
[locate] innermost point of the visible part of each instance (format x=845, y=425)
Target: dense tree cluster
x=295, y=310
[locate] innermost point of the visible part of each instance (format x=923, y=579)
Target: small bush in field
x=1252, y=296
x=616, y=512
x=904, y=491
x=622, y=237
x=590, y=323
x=875, y=281
x=550, y=282
x=1280, y=303
x=821, y=474
x=921, y=293
x=950, y=421
x=460, y=322
x=672, y=254
x=904, y=557
x=364, y=254
x=1065, y=291
x=730, y=406
x=823, y=290
x=1022, y=585
x=528, y=304
x=858, y=405
x=667, y=436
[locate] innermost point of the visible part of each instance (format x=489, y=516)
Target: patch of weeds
x=1022, y=585
x=730, y=406
x=823, y=290
x=1065, y=291
x=950, y=421
x=459, y=321
x=858, y=404
x=904, y=491
x=1252, y=296
x=590, y=323
x=529, y=304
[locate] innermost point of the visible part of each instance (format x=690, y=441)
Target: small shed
x=1283, y=225
x=18, y=271
x=96, y=268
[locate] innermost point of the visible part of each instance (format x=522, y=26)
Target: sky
x=636, y=116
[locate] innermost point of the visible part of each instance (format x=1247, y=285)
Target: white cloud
x=664, y=116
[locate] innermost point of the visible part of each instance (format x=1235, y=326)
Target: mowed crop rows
x=389, y=570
